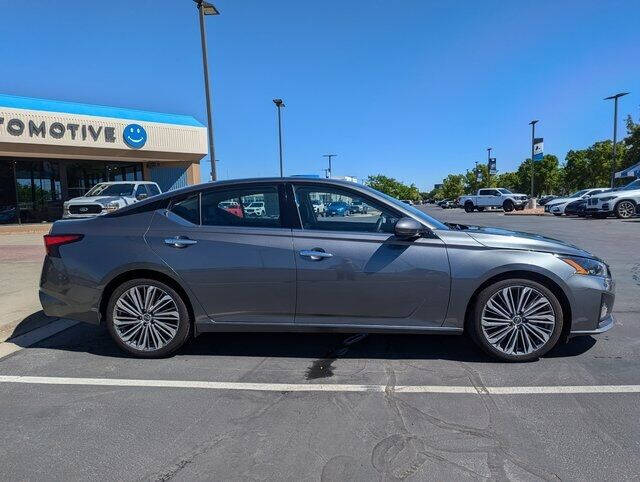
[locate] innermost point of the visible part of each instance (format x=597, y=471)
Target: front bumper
x=604, y=325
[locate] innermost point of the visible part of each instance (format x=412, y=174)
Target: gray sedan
x=192, y=261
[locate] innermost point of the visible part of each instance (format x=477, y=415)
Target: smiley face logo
x=135, y=136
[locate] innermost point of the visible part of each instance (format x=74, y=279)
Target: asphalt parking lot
x=335, y=407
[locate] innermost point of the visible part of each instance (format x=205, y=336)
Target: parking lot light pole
x=329, y=156
x=280, y=104
x=533, y=137
x=489, y=149
x=615, y=132
x=205, y=8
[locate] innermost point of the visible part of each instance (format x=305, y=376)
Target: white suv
x=107, y=197
x=256, y=208
x=622, y=202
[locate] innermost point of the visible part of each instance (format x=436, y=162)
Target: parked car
x=558, y=205
x=446, y=204
x=107, y=197
x=408, y=201
x=232, y=207
x=318, y=207
x=494, y=197
x=622, y=202
x=576, y=208
x=255, y=208
x=358, y=207
x=155, y=272
x=338, y=208
x=545, y=199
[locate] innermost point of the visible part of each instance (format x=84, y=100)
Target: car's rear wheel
x=625, y=209
x=516, y=320
x=147, y=318
x=508, y=206
x=468, y=207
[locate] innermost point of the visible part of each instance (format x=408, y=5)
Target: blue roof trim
x=31, y=103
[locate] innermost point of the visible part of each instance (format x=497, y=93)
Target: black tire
x=508, y=206
x=468, y=207
x=520, y=208
x=184, y=323
x=474, y=326
x=557, y=214
x=625, y=209
x=480, y=209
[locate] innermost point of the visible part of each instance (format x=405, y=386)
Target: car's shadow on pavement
x=318, y=346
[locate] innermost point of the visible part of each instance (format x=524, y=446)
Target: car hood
x=562, y=200
x=507, y=239
x=102, y=200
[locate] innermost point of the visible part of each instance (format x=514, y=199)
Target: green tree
x=393, y=187
x=478, y=178
x=591, y=167
x=632, y=143
x=509, y=180
x=453, y=186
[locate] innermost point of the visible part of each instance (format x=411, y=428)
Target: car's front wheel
x=516, y=320
x=625, y=209
x=468, y=207
x=147, y=318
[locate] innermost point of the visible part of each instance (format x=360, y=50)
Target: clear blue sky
x=412, y=89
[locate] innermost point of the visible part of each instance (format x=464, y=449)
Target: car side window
x=188, y=208
x=329, y=209
x=153, y=189
x=484, y=192
x=253, y=206
x=141, y=190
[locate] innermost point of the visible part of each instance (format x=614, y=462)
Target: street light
x=279, y=104
x=489, y=149
x=206, y=8
x=615, y=131
x=533, y=136
x=329, y=156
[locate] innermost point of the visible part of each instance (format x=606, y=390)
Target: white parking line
x=324, y=387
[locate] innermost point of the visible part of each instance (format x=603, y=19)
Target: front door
x=352, y=269
x=240, y=266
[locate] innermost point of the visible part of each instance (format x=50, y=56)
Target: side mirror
x=407, y=228
x=141, y=196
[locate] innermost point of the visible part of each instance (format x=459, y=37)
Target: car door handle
x=315, y=255
x=179, y=242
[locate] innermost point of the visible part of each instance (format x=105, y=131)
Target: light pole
x=489, y=149
x=279, y=104
x=205, y=8
x=615, y=131
x=329, y=156
x=533, y=136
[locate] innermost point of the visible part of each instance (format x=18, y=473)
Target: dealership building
x=51, y=151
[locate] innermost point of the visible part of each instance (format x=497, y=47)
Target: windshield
x=111, y=190
x=579, y=193
x=416, y=212
x=504, y=191
x=632, y=185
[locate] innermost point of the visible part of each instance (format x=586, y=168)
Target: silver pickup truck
x=107, y=197
x=493, y=197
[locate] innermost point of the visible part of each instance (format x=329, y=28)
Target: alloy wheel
x=626, y=209
x=146, y=318
x=518, y=320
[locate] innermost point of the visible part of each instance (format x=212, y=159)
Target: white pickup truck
x=107, y=197
x=493, y=197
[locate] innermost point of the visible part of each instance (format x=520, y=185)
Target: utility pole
x=489, y=149
x=615, y=132
x=329, y=171
x=280, y=104
x=205, y=8
x=533, y=136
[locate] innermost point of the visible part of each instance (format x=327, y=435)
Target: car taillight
x=53, y=241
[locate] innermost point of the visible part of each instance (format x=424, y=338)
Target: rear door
x=240, y=267
x=353, y=270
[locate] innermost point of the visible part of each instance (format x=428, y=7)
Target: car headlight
x=112, y=206
x=587, y=266
x=608, y=198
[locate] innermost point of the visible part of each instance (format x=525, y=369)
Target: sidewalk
x=21, y=256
